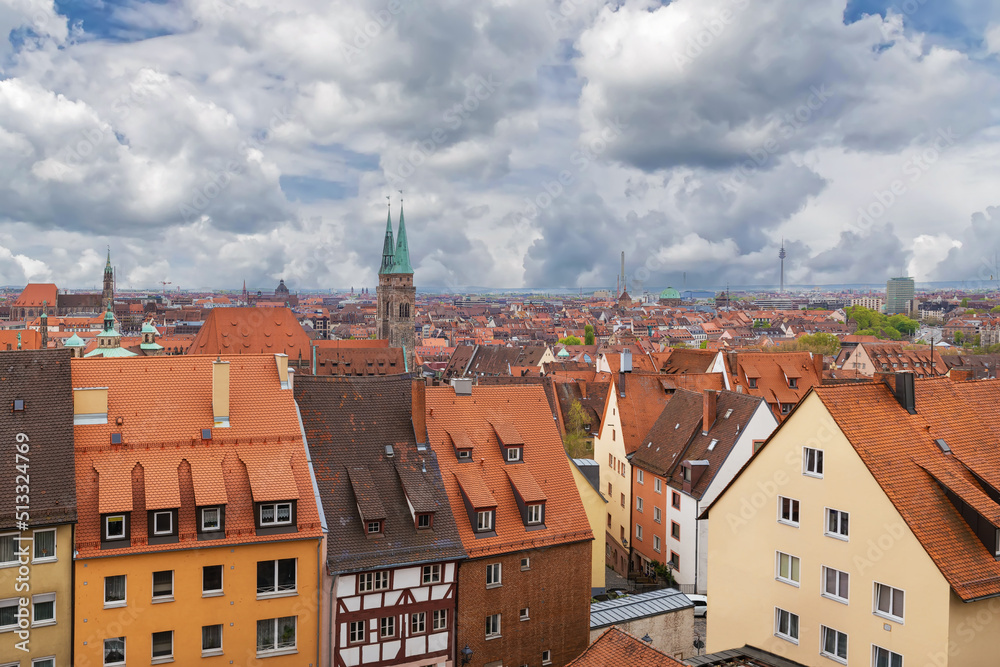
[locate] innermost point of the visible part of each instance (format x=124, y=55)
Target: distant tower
x=108, y=294
x=396, y=296
x=781, y=256
x=45, y=325
x=624, y=287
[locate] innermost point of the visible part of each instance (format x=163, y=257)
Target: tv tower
x=781, y=256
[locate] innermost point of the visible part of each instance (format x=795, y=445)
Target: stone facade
x=397, y=306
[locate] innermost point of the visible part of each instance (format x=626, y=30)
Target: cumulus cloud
x=212, y=141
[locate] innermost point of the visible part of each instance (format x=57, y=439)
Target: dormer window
x=793, y=383
x=374, y=527
x=424, y=520
x=535, y=513
x=686, y=473
x=210, y=519
x=513, y=454
x=114, y=527
x=752, y=383
x=464, y=454
x=274, y=514
x=163, y=523
x=484, y=520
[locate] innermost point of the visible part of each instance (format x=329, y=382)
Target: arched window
x=404, y=310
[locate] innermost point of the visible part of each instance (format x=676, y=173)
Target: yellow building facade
x=594, y=504
x=776, y=552
x=236, y=607
x=43, y=577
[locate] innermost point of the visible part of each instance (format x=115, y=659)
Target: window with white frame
x=492, y=626
x=8, y=614
x=418, y=622
x=788, y=568
x=211, y=579
x=8, y=549
x=546, y=657
x=373, y=581
x=114, y=591
x=163, y=523
x=524, y=614
x=837, y=523
x=639, y=477
x=513, y=454
x=439, y=619
x=163, y=585
x=484, y=520
x=44, y=545
x=276, y=634
x=638, y=504
x=431, y=574
x=535, y=513
x=211, y=519
x=275, y=514
x=834, y=644
x=276, y=576
x=656, y=543
x=493, y=575
x=43, y=609
x=211, y=639
x=357, y=632
x=786, y=625
x=883, y=657
x=163, y=645
x=657, y=515
x=638, y=532
x=836, y=584
x=114, y=527
x=114, y=651
x=889, y=602
x=788, y=511
x=657, y=485
x=387, y=627
x=812, y=462
x=43, y=662
x=525, y=563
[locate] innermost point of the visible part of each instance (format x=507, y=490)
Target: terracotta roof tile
x=525, y=484
x=163, y=489
x=252, y=331
x=366, y=494
x=617, y=647
x=474, y=487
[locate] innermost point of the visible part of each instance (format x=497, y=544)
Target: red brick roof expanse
x=644, y=400
x=252, y=331
x=526, y=408
x=35, y=293
x=771, y=370
x=617, y=648
x=913, y=471
x=164, y=403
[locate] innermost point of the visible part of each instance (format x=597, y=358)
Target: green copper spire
x=387, y=251
x=401, y=260
x=109, y=324
x=108, y=265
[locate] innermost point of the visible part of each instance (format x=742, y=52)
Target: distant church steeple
x=108, y=293
x=396, y=294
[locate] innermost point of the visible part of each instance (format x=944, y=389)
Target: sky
x=208, y=142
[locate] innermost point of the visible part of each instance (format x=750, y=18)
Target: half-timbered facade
x=392, y=547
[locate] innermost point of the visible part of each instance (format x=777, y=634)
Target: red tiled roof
x=527, y=409
x=617, y=647
x=252, y=331
x=35, y=293
x=474, y=487
x=644, y=400
x=525, y=484
x=164, y=403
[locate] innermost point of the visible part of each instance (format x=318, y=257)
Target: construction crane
x=165, y=283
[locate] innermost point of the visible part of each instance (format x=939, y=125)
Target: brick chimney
x=710, y=406
x=962, y=374
x=818, y=364
x=418, y=410
x=583, y=388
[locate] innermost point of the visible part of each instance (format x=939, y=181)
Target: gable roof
x=251, y=331
x=901, y=452
x=348, y=423
x=42, y=380
x=485, y=478
x=643, y=400
x=34, y=294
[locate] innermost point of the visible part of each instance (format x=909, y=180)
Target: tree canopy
x=588, y=334
x=570, y=340
x=872, y=323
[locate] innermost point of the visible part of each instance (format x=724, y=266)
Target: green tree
x=576, y=442
x=965, y=302
x=903, y=324
x=819, y=343
x=958, y=338
x=995, y=309
x=570, y=340
x=588, y=335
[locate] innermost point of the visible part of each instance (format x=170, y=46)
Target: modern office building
x=898, y=296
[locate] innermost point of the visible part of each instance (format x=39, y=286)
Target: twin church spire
x=395, y=257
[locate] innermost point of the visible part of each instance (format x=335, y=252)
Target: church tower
x=108, y=293
x=396, y=296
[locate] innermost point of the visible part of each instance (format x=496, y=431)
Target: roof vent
x=18, y=405
x=116, y=438
x=943, y=445
x=712, y=444
x=462, y=386
x=206, y=434
x=389, y=451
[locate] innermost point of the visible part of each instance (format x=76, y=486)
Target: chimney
x=902, y=387
x=462, y=386
x=709, y=409
x=627, y=360
x=418, y=412
x=281, y=360
x=818, y=364
x=621, y=383
x=962, y=374
x=583, y=388
x=291, y=378
x=220, y=392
